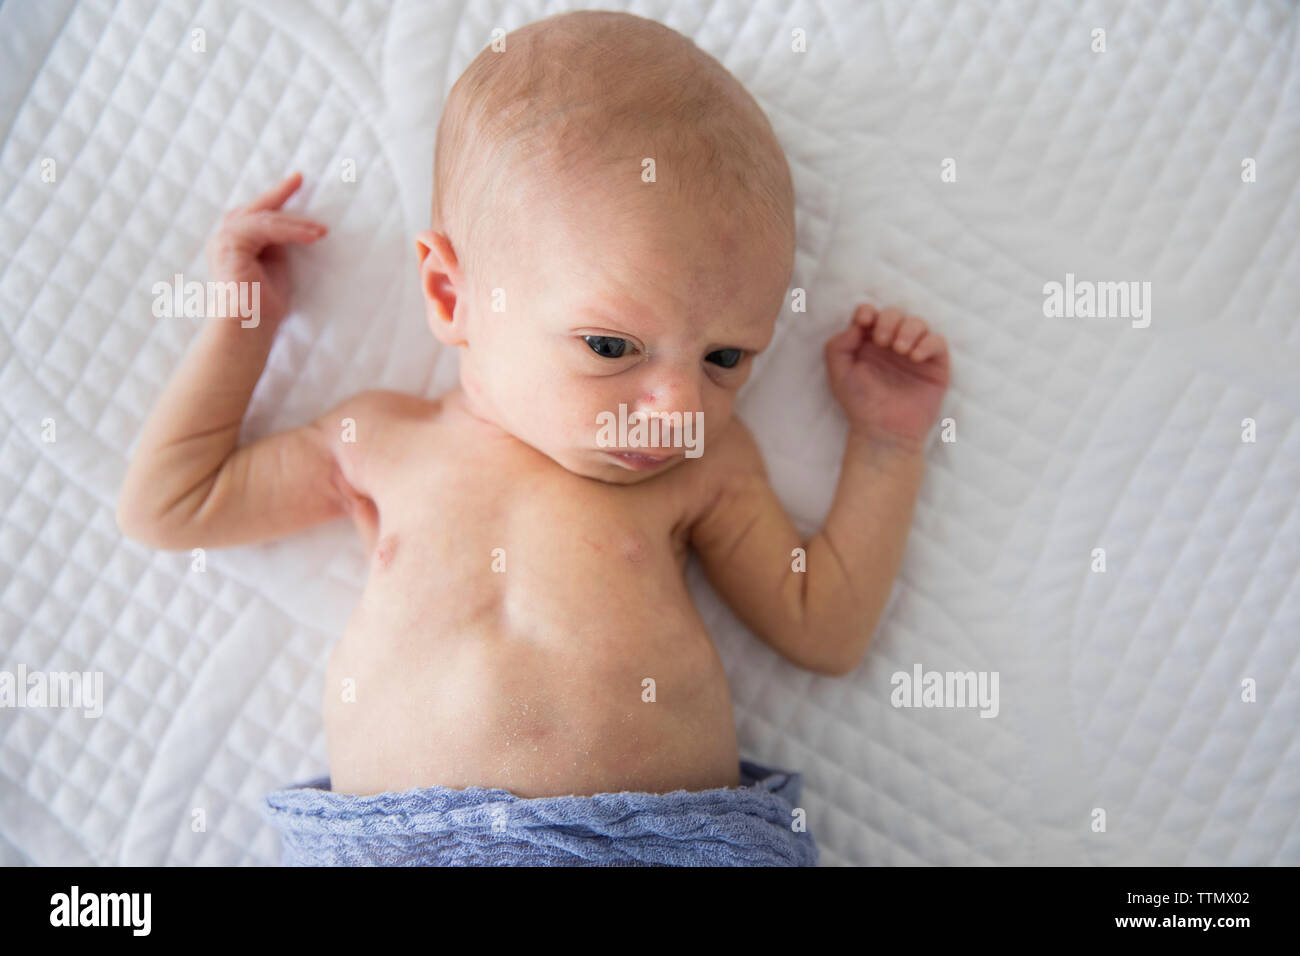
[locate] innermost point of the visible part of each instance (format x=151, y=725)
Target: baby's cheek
x=573, y=411
x=716, y=415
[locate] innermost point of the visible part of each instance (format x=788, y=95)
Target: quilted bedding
x=951, y=157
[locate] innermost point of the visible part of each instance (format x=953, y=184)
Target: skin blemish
x=634, y=546
x=384, y=551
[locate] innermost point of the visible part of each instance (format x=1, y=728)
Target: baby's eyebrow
x=621, y=315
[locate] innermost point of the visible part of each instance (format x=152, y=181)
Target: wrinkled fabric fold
x=755, y=824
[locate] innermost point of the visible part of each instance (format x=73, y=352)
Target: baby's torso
x=523, y=627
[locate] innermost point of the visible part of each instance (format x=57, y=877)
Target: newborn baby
x=613, y=235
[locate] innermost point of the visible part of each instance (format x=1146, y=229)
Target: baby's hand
x=249, y=247
x=889, y=372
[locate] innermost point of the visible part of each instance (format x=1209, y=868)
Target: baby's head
x=613, y=225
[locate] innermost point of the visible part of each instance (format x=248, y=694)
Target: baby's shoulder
x=731, y=459
x=733, y=453
x=368, y=425
x=377, y=412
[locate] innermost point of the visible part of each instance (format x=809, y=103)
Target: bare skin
x=525, y=584
x=528, y=677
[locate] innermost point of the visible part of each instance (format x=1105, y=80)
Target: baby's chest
x=544, y=521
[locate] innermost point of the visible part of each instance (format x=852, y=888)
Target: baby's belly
x=600, y=679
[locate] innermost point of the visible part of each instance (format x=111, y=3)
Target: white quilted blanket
x=1120, y=691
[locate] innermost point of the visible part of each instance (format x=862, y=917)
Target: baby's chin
x=619, y=466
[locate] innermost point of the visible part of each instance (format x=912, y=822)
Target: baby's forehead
x=642, y=272
x=612, y=198
x=584, y=219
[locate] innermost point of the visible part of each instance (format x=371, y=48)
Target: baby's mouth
x=639, y=462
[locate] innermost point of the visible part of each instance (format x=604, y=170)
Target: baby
x=526, y=677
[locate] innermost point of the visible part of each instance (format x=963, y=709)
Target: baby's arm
x=889, y=372
x=187, y=484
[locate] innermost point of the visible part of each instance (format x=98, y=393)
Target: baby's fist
x=889, y=372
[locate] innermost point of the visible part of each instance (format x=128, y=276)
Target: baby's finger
x=288, y=217
x=275, y=197
x=840, y=352
x=262, y=229
x=911, y=331
x=864, y=315
x=845, y=343
x=931, y=345
x=886, y=326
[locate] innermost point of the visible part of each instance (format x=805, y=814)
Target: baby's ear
x=440, y=283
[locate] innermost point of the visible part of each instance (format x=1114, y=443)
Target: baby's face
x=616, y=296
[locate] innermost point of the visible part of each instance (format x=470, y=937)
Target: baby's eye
x=607, y=346
x=727, y=358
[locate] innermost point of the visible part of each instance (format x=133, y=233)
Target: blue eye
x=607, y=346
x=727, y=358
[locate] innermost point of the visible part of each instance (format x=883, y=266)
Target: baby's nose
x=669, y=395
x=672, y=392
